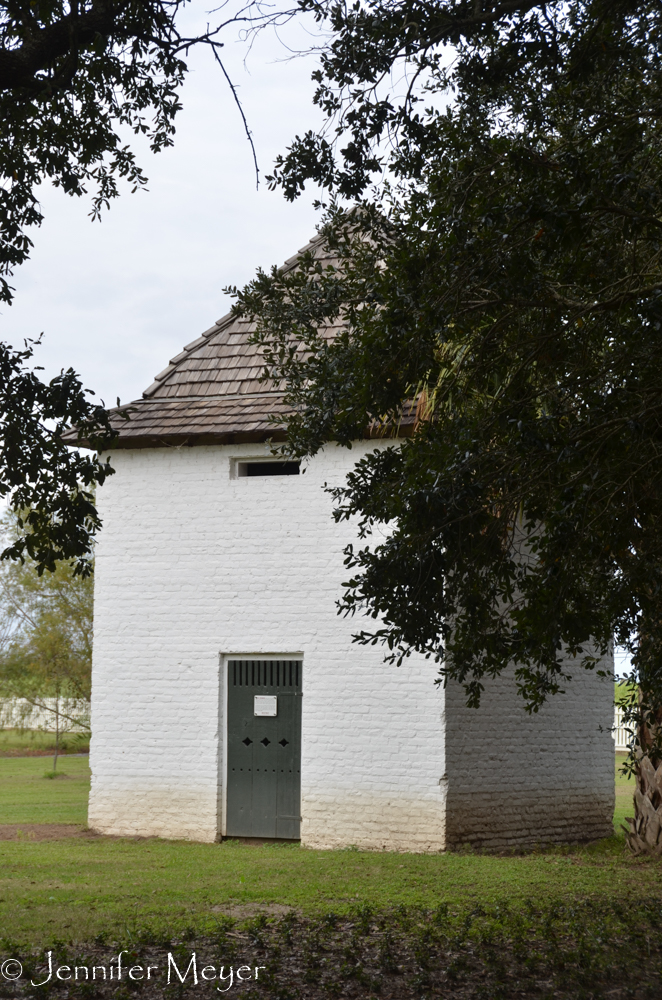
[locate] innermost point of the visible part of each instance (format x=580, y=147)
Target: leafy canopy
x=503, y=272
x=49, y=486
x=76, y=78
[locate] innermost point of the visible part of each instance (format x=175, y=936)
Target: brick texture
x=194, y=566
x=520, y=779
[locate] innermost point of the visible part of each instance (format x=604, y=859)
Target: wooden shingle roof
x=211, y=392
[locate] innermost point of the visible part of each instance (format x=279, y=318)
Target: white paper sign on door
x=266, y=704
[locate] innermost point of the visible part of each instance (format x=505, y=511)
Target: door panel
x=264, y=752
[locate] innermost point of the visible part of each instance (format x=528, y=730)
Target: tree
x=49, y=486
x=74, y=78
x=45, y=644
x=74, y=75
x=503, y=279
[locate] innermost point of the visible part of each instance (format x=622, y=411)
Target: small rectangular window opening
x=274, y=468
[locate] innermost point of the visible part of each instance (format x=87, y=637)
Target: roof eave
x=127, y=441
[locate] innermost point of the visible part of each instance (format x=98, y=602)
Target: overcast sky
x=117, y=299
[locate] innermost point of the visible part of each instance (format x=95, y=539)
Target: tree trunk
x=57, y=730
x=645, y=833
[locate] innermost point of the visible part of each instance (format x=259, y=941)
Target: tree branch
x=462, y=26
x=18, y=67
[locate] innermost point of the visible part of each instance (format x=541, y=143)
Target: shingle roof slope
x=211, y=392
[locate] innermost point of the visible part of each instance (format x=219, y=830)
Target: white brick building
x=216, y=581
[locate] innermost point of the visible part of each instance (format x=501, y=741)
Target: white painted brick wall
x=515, y=778
x=192, y=565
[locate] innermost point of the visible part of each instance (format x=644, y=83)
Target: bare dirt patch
x=43, y=831
x=243, y=911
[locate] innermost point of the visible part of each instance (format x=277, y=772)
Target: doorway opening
x=264, y=749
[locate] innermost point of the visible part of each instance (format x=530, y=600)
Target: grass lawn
x=17, y=742
x=76, y=888
x=26, y=796
x=624, y=793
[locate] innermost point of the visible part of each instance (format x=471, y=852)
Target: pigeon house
x=228, y=698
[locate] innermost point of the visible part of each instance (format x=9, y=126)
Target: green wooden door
x=264, y=750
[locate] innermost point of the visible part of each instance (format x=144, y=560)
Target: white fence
x=621, y=736
x=17, y=713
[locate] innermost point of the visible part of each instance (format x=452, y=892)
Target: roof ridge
x=219, y=326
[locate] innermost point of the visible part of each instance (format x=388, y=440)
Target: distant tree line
x=45, y=646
